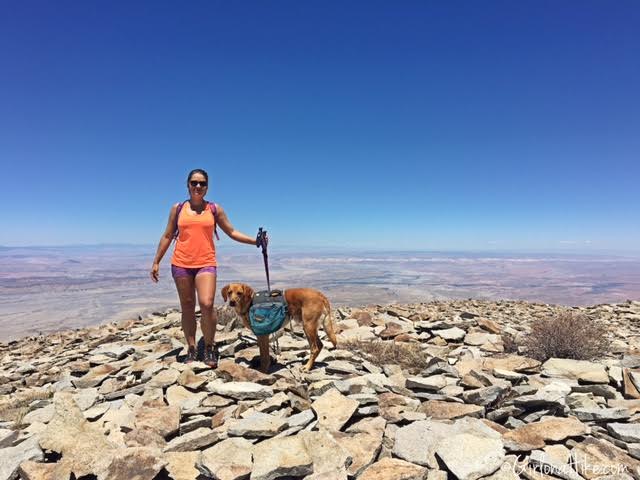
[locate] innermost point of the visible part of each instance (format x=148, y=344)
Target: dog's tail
x=327, y=323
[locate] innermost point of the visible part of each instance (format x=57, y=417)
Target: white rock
x=240, y=390
x=454, y=334
x=230, y=459
x=470, y=457
x=280, y=457
x=334, y=409
x=12, y=457
x=576, y=370
x=627, y=432
x=258, y=425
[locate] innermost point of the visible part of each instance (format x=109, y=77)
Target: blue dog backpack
x=267, y=312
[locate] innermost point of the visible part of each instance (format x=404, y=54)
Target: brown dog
x=305, y=304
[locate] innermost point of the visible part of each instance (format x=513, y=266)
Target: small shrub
x=509, y=343
x=567, y=335
x=408, y=355
x=14, y=409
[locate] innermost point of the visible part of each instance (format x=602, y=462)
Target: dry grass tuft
x=567, y=335
x=379, y=352
x=14, y=409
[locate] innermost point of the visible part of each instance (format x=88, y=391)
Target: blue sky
x=408, y=125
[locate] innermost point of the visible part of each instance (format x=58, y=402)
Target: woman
x=194, y=265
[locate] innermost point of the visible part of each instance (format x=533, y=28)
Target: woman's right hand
x=155, y=272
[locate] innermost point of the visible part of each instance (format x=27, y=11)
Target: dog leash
x=262, y=241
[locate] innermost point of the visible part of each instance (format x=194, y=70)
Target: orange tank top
x=194, y=245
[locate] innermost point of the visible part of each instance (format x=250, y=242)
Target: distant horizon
x=236, y=248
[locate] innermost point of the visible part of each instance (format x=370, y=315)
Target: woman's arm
x=163, y=244
x=227, y=228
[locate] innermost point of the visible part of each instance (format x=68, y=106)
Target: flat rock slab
x=84, y=445
x=484, y=395
x=454, y=334
x=230, y=459
x=580, y=370
x=627, y=432
x=95, y=376
x=12, y=457
x=190, y=380
x=258, y=425
x=281, y=457
x=418, y=441
x=182, y=465
x=593, y=458
x=552, y=466
x=439, y=410
x=232, y=371
x=163, y=420
x=362, y=334
x=164, y=378
x=534, y=435
x=139, y=463
x=325, y=452
x=334, y=409
x=430, y=384
x=240, y=390
x=114, y=351
x=393, y=469
x=601, y=414
x=470, y=457
x=195, y=440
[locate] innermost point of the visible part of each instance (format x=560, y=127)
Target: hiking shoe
x=191, y=355
x=210, y=357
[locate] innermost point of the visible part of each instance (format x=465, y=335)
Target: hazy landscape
x=51, y=288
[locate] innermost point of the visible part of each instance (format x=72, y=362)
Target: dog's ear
x=247, y=294
x=225, y=292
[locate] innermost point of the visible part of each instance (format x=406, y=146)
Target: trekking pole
x=261, y=241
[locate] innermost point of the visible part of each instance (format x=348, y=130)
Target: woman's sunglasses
x=195, y=183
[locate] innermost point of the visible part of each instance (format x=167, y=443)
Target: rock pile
x=112, y=402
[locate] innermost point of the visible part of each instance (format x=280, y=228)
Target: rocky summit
x=452, y=400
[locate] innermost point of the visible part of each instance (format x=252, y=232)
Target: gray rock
x=576, y=370
x=431, y=384
x=258, y=425
x=550, y=466
x=141, y=463
x=627, y=432
x=196, y=440
x=230, y=459
x=469, y=456
x=7, y=437
x=342, y=367
x=484, y=396
x=454, y=334
x=114, y=351
x=12, y=457
x=43, y=415
x=333, y=409
x=280, y=457
x=301, y=419
x=417, y=442
x=601, y=414
x=240, y=390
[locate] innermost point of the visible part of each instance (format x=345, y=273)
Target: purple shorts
x=177, y=272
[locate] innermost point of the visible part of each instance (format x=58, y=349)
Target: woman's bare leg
x=206, y=287
x=187, y=293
